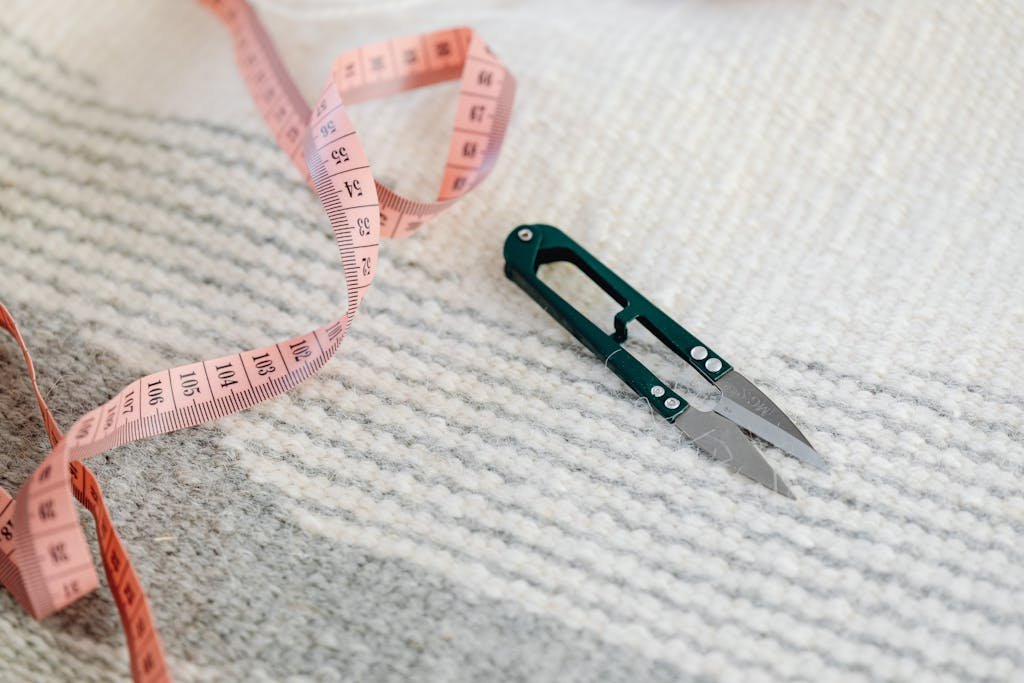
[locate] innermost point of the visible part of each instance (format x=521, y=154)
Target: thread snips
x=741, y=404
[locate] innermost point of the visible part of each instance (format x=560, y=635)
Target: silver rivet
x=713, y=365
x=657, y=392
x=672, y=403
x=698, y=353
x=525, y=234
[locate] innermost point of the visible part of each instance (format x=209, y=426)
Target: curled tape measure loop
x=44, y=558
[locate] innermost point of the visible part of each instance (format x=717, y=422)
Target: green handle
x=530, y=246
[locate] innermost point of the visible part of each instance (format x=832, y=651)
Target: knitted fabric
x=831, y=194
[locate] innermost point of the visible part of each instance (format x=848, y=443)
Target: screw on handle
x=530, y=246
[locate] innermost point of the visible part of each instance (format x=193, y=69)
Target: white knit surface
x=829, y=193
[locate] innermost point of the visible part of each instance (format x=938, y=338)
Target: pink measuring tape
x=44, y=559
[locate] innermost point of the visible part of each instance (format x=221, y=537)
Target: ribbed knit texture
x=831, y=194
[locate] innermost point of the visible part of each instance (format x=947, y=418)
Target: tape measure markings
x=147, y=658
x=44, y=559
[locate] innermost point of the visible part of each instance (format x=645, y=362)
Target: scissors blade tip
x=747, y=406
x=764, y=475
x=781, y=487
x=814, y=459
x=721, y=439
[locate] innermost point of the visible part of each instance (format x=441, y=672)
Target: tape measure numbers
x=44, y=559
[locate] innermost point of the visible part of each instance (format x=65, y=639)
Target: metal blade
x=747, y=406
x=723, y=441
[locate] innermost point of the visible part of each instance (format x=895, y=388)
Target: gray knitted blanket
x=831, y=193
